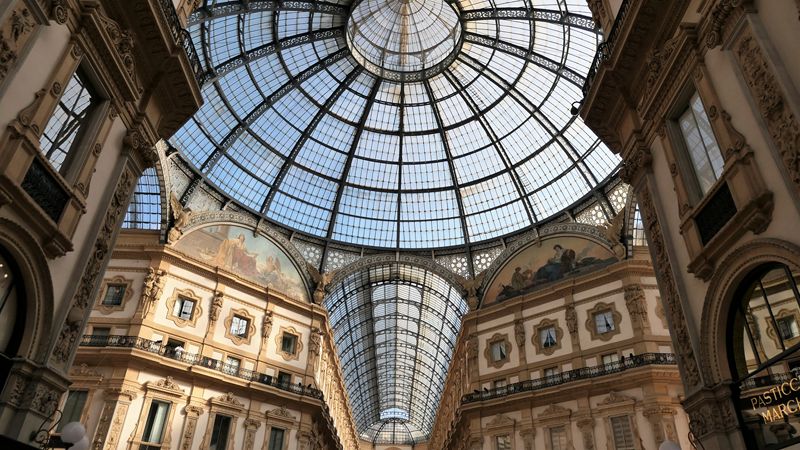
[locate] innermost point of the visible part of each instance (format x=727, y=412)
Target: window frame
x=172, y=303
x=500, y=340
x=536, y=340
x=279, y=343
x=249, y=327
x=591, y=321
x=127, y=294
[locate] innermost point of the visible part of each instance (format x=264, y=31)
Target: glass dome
x=402, y=124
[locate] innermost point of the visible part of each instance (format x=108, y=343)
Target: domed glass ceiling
x=396, y=124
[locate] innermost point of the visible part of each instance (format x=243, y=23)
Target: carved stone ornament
x=66, y=342
x=637, y=306
x=14, y=34
x=216, y=307
x=500, y=421
x=586, y=425
x=58, y=11
x=321, y=282
x=519, y=334
x=668, y=288
x=780, y=121
x=615, y=398
x=152, y=288
x=266, y=325
x=230, y=400
x=180, y=218
x=555, y=411
x=168, y=383
x=280, y=412
x=572, y=319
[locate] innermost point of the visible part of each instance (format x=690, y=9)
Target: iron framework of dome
x=466, y=137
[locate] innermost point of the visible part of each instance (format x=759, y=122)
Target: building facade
x=701, y=100
x=86, y=89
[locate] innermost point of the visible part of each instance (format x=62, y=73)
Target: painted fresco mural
x=550, y=260
x=255, y=258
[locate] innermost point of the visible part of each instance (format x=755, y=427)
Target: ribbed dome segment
x=476, y=144
x=403, y=35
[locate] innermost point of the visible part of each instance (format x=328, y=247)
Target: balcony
x=156, y=347
x=584, y=373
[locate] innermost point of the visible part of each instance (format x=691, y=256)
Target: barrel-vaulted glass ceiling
x=450, y=133
x=395, y=327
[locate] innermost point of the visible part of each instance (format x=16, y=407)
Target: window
x=701, y=145
x=154, y=426
x=184, y=308
x=622, y=434
x=239, y=326
x=610, y=358
x=101, y=331
x=284, y=378
x=65, y=127
x=73, y=408
x=499, y=383
x=550, y=371
x=219, y=433
x=547, y=336
x=114, y=294
x=498, y=351
x=288, y=343
x=787, y=327
x=558, y=438
x=275, y=439
x=604, y=322
x=232, y=365
x=174, y=348
x=502, y=442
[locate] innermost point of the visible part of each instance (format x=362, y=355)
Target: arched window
x=765, y=356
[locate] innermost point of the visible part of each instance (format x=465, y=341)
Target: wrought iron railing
x=645, y=359
x=180, y=35
x=606, y=48
x=767, y=380
x=170, y=352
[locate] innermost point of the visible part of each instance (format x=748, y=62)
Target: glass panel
x=276, y=439
x=156, y=420
x=701, y=144
x=219, y=433
x=604, y=321
x=114, y=294
x=184, y=308
x=548, y=337
x=503, y=442
x=239, y=326
x=766, y=329
x=144, y=211
x=288, y=343
x=346, y=138
x=621, y=430
x=66, y=123
x=498, y=351
x=73, y=408
x=558, y=438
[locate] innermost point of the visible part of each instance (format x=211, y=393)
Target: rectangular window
x=498, y=351
x=232, y=365
x=558, y=438
x=284, y=378
x=154, y=425
x=701, y=145
x=219, y=433
x=621, y=431
x=239, y=326
x=499, y=383
x=547, y=337
x=73, y=408
x=174, y=348
x=184, y=308
x=288, y=343
x=502, y=442
x=610, y=358
x=276, y=439
x=787, y=327
x=114, y=294
x=550, y=371
x=604, y=322
x=64, y=130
